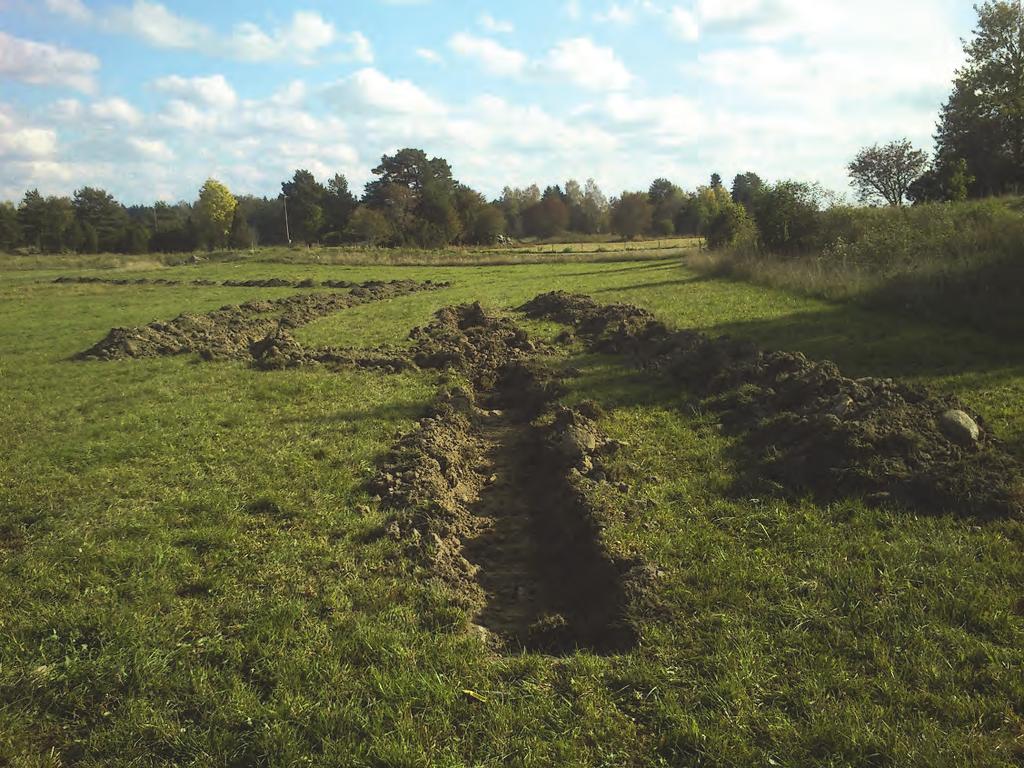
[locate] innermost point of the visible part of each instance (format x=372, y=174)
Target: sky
x=148, y=99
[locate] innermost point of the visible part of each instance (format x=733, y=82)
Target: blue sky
x=148, y=99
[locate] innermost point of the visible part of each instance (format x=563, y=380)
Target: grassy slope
x=153, y=611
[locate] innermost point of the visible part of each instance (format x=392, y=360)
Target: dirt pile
x=280, y=350
x=804, y=427
x=490, y=492
x=229, y=331
x=273, y=282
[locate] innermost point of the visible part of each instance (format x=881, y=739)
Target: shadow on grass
x=865, y=343
x=664, y=263
x=653, y=284
x=988, y=297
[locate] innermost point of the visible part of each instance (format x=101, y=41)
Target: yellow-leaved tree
x=215, y=211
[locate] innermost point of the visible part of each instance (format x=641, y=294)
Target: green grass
x=595, y=249
x=186, y=575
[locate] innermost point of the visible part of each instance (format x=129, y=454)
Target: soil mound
x=280, y=350
x=273, y=282
x=229, y=331
x=804, y=427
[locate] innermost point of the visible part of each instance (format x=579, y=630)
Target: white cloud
x=156, y=25
x=492, y=56
x=73, y=9
x=362, y=50
x=66, y=109
x=684, y=23
x=371, y=89
x=152, y=149
x=291, y=95
x=588, y=65
x=496, y=26
x=429, y=55
x=617, y=14
x=304, y=38
x=669, y=121
x=574, y=10
x=115, y=110
x=45, y=64
x=30, y=143
x=305, y=35
x=212, y=91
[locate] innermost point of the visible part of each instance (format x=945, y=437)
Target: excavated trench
x=492, y=492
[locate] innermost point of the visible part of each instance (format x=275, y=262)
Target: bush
x=732, y=227
x=788, y=216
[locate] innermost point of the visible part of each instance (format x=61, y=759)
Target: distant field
x=520, y=253
x=192, y=570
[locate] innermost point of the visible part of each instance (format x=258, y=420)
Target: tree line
x=413, y=200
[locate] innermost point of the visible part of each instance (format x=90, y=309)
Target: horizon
x=147, y=100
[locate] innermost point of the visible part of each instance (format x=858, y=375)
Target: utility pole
x=287, y=232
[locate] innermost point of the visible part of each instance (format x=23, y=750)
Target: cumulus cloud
x=617, y=14
x=492, y=56
x=684, y=23
x=156, y=25
x=429, y=55
x=301, y=38
x=27, y=143
x=496, y=26
x=115, y=110
x=588, y=65
x=151, y=149
x=371, y=89
x=45, y=64
x=212, y=91
x=73, y=9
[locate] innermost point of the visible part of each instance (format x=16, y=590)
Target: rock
x=577, y=441
x=842, y=406
x=960, y=428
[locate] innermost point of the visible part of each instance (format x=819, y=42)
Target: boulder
x=960, y=428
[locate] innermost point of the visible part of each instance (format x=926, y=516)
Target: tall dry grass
x=959, y=263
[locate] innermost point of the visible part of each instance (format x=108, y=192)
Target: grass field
x=188, y=574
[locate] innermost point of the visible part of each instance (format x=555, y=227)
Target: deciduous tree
x=885, y=172
x=215, y=210
x=631, y=215
x=983, y=120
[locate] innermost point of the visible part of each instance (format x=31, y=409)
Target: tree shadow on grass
x=864, y=343
x=667, y=263
x=653, y=284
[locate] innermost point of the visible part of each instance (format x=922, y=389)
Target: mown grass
x=187, y=575
x=586, y=250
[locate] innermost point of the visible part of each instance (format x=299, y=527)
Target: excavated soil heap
x=229, y=331
x=272, y=282
x=805, y=427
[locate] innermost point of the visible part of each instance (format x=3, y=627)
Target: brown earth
x=804, y=427
x=229, y=331
x=490, y=492
x=273, y=282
